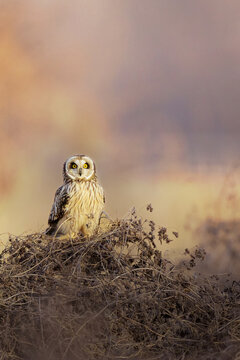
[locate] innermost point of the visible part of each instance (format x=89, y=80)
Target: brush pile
x=113, y=296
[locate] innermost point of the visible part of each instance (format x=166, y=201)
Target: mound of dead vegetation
x=113, y=296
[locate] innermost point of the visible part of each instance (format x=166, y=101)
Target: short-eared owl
x=78, y=203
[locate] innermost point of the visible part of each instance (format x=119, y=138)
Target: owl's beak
x=80, y=171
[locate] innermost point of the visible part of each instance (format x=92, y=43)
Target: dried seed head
x=149, y=208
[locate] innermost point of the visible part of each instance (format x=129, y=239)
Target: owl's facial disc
x=80, y=167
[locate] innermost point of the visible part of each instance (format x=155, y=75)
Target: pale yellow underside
x=83, y=209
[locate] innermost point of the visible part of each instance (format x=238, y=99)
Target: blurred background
x=149, y=89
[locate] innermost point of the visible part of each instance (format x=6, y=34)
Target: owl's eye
x=86, y=166
x=73, y=166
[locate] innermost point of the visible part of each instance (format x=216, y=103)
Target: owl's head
x=79, y=168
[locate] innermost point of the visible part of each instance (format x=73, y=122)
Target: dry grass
x=113, y=297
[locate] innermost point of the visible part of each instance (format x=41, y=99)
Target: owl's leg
x=87, y=230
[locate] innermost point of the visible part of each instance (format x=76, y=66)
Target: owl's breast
x=86, y=201
x=85, y=197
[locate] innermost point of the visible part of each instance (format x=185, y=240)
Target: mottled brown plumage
x=79, y=202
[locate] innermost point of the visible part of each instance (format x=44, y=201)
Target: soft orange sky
x=149, y=89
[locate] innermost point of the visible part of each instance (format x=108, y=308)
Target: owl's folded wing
x=59, y=205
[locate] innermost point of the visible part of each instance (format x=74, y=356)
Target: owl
x=79, y=202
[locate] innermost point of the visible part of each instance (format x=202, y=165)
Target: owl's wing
x=59, y=205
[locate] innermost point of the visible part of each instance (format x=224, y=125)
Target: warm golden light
x=151, y=97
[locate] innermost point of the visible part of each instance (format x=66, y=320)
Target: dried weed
x=113, y=296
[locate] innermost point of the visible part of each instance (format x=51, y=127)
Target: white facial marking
x=81, y=172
